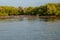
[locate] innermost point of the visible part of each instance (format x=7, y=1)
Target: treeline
x=50, y=9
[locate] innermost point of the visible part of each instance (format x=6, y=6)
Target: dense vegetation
x=50, y=9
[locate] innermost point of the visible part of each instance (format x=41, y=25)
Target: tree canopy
x=50, y=9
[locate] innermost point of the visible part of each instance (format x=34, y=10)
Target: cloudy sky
x=25, y=3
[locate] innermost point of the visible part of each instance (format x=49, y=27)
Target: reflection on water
x=30, y=28
x=32, y=19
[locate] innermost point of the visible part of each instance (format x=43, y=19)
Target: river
x=30, y=29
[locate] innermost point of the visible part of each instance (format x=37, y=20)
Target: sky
x=26, y=3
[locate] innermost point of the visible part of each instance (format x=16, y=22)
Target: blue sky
x=26, y=3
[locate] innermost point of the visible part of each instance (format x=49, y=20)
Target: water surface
x=30, y=29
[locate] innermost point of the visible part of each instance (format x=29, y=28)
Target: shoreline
x=22, y=16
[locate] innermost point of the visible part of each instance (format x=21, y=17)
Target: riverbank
x=22, y=16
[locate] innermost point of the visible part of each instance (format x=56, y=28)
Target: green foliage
x=50, y=9
x=4, y=14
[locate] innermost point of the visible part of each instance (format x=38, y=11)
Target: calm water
x=30, y=29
